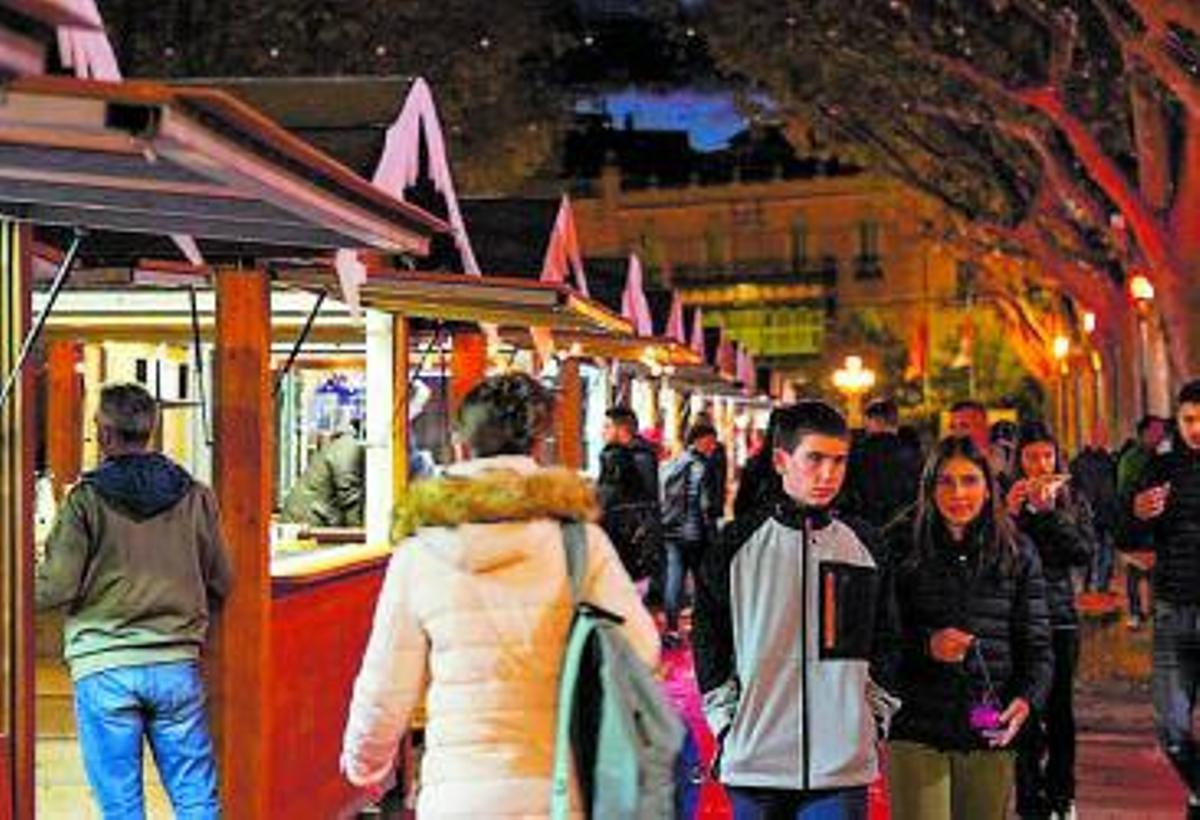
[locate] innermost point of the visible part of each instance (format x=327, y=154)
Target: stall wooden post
x=570, y=416
x=242, y=459
x=16, y=534
x=400, y=428
x=468, y=364
x=64, y=413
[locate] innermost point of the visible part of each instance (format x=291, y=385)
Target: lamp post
x=853, y=380
x=1142, y=291
x=1097, y=365
x=1062, y=349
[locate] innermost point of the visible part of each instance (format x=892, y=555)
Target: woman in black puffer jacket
x=975, y=655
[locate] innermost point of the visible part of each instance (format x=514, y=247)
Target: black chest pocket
x=847, y=597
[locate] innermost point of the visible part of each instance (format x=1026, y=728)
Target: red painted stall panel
x=319, y=629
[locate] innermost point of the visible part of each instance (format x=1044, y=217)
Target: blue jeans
x=1100, y=570
x=1176, y=676
x=682, y=557
x=779, y=804
x=165, y=704
x=1133, y=581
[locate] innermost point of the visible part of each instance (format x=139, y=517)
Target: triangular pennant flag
x=726, y=357
x=88, y=52
x=634, y=305
x=675, y=328
x=352, y=275
x=564, y=257
x=400, y=165
x=698, y=335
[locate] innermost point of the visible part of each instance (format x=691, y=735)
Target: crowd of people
x=865, y=602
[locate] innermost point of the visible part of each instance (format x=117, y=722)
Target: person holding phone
x=1058, y=521
x=1166, y=507
x=975, y=643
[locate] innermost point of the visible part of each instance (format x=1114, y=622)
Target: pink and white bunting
x=634, y=305
x=675, y=328
x=563, y=253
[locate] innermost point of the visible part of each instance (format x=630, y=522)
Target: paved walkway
x=1122, y=774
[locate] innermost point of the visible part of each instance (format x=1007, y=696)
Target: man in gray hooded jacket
x=795, y=637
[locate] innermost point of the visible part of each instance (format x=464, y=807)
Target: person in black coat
x=975, y=654
x=1094, y=474
x=759, y=485
x=627, y=489
x=884, y=471
x=1165, y=508
x=1058, y=521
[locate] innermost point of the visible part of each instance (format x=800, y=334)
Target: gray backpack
x=613, y=721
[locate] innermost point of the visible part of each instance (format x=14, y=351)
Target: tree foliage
x=1067, y=129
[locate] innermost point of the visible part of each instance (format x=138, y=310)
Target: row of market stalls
x=220, y=243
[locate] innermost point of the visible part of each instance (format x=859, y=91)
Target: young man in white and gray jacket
x=795, y=638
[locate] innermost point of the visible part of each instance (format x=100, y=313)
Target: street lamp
x=1061, y=347
x=1142, y=291
x=853, y=380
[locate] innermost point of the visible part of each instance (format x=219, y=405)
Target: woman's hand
x=1012, y=718
x=950, y=645
x=1018, y=494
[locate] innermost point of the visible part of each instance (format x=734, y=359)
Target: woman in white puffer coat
x=474, y=613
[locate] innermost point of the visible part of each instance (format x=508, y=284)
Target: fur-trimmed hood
x=494, y=490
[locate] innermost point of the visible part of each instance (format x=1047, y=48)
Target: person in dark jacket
x=759, y=483
x=628, y=492
x=1135, y=542
x=689, y=518
x=1058, y=521
x=331, y=492
x=975, y=643
x=1166, y=505
x=794, y=624
x=718, y=461
x=882, y=479
x=137, y=559
x=1094, y=474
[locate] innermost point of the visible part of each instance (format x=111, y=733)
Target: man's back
x=331, y=492
x=136, y=555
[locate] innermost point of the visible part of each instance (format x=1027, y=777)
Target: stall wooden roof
x=501, y=300
x=113, y=314
x=148, y=158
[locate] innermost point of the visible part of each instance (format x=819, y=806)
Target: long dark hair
x=993, y=528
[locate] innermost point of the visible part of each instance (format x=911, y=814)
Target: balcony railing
x=821, y=271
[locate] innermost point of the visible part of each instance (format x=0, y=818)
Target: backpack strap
x=575, y=546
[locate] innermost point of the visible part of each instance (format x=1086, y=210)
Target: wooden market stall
x=146, y=159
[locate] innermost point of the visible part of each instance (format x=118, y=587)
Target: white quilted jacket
x=474, y=617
